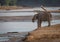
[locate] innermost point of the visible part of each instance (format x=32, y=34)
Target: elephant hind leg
x=39, y=24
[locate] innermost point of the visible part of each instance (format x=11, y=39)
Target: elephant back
x=44, y=16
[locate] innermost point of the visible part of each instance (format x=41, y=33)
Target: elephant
x=42, y=16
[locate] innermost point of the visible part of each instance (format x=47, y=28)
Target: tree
x=7, y=2
x=14, y=2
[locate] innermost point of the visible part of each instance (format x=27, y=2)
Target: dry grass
x=45, y=34
x=13, y=7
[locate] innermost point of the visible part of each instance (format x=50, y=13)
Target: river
x=24, y=26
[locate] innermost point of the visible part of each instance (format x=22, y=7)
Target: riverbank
x=12, y=7
x=45, y=34
x=5, y=9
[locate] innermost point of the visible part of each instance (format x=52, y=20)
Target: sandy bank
x=12, y=7
x=45, y=34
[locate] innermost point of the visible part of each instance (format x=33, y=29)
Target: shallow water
x=4, y=39
x=22, y=26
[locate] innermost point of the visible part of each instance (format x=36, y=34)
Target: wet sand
x=45, y=34
x=21, y=18
x=13, y=36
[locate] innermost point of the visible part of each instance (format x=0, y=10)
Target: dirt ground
x=45, y=34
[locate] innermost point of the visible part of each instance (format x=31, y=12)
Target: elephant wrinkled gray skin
x=42, y=16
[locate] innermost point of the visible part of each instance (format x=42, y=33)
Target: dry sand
x=45, y=34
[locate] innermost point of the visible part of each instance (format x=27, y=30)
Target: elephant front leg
x=39, y=24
